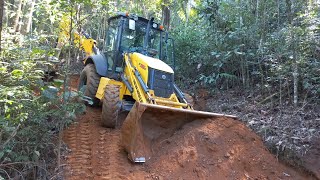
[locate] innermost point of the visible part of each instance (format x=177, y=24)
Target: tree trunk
x=295, y=68
x=188, y=9
x=165, y=15
x=1, y=17
x=295, y=83
x=289, y=10
x=5, y=19
x=257, y=12
x=295, y=56
x=17, y=17
x=278, y=18
x=27, y=26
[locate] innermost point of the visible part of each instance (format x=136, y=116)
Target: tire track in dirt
x=109, y=149
x=95, y=151
x=78, y=136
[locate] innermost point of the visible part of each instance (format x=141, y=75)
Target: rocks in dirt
x=103, y=131
x=285, y=174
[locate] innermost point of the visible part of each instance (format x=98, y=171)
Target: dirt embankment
x=203, y=149
x=218, y=149
x=291, y=133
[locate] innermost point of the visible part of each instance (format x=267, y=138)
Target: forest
x=256, y=59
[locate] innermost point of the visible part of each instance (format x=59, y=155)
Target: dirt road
x=203, y=149
x=95, y=151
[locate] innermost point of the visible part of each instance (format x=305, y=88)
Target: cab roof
x=132, y=16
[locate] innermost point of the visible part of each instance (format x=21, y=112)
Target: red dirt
x=74, y=81
x=204, y=149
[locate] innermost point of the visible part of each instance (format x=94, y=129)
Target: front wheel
x=111, y=105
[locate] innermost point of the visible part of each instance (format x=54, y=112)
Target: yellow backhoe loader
x=132, y=73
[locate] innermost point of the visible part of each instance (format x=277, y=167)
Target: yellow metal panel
x=138, y=93
x=88, y=45
x=141, y=65
x=172, y=101
x=104, y=82
x=153, y=62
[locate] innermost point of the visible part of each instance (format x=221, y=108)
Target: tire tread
x=92, y=81
x=111, y=106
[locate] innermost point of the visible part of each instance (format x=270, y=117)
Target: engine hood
x=153, y=62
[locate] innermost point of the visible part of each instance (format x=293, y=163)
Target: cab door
x=112, y=42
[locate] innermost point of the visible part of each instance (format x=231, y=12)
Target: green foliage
x=235, y=43
x=29, y=120
x=220, y=44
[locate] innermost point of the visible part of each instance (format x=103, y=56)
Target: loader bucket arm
x=146, y=123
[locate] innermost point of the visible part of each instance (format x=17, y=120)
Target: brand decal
x=142, y=66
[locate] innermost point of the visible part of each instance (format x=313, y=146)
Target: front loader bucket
x=146, y=123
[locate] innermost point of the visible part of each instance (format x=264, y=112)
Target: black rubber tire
x=189, y=99
x=91, y=79
x=111, y=106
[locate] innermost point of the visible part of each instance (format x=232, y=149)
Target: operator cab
x=131, y=33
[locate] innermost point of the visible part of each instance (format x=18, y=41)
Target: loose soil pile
x=290, y=132
x=203, y=149
x=218, y=148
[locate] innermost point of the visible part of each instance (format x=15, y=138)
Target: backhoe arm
x=140, y=90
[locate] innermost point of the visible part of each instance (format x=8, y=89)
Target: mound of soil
x=293, y=133
x=218, y=148
x=203, y=149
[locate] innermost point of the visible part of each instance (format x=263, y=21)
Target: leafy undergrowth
x=32, y=115
x=287, y=131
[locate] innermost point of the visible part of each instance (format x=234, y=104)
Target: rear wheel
x=111, y=105
x=89, y=82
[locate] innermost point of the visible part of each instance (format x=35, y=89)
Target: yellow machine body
x=141, y=63
x=85, y=44
x=151, y=117
x=82, y=42
x=125, y=87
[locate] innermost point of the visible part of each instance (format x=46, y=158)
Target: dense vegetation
x=268, y=48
